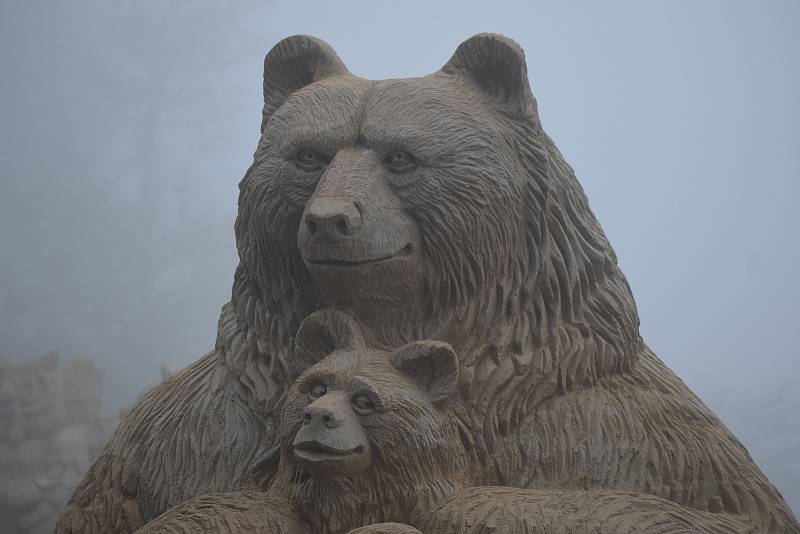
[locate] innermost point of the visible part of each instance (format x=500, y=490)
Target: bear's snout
x=330, y=440
x=331, y=219
x=323, y=414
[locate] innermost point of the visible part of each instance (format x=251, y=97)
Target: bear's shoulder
x=196, y=421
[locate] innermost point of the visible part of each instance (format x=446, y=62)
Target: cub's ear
x=432, y=365
x=323, y=332
x=292, y=64
x=496, y=65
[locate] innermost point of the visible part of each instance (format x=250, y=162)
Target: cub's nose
x=331, y=219
x=320, y=414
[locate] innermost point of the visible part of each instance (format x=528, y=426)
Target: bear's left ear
x=432, y=365
x=496, y=65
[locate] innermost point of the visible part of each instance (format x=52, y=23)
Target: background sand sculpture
x=428, y=208
x=51, y=429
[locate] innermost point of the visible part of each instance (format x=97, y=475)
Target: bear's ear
x=496, y=65
x=323, y=332
x=292, y=64
x=432, y=365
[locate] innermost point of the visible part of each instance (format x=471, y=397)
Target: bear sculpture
x=429, y=208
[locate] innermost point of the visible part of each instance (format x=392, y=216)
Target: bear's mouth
x=314, y=451
x=404, y=252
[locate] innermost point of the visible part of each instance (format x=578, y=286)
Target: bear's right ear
x=320, y=334
x=292, y=64
x=495, y=65
x=432, y=365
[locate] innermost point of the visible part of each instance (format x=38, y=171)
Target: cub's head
x=368, y=426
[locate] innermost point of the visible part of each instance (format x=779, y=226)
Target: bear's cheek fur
x=469, y=216
x=404, y=432
x=278, y=192
x=294, y=185
x=267, y=218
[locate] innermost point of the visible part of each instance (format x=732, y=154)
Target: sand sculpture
x=432, y=208
x=51, y=428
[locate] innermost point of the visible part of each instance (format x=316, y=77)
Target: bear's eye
x=363, y=405
x=401, y=161
x=308, y=160
x=317, y=390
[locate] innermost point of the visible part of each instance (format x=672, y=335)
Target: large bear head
x=432, y=207
x=366, y=435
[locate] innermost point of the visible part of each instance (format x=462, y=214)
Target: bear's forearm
x=105, y=502
x=497, y=509
x=386, y=528
x=229, y=513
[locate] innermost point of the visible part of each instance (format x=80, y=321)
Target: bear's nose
x=331, y=219
x=323, y=415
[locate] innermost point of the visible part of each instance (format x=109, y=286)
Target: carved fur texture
x=488, y=510
x=432, y=208
x=251, y=512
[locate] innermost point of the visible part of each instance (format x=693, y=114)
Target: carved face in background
x=28, y=392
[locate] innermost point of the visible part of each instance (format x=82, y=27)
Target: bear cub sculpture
x=370, y=444
x=365, y=437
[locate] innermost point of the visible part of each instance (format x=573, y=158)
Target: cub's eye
x=317, y=390
x=308, y=160
x=362, y=405
x=401, y=161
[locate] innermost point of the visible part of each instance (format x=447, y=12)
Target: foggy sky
x=127, y=125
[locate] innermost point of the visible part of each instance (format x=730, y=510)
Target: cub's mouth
x=315, y=451
x=404, y=252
